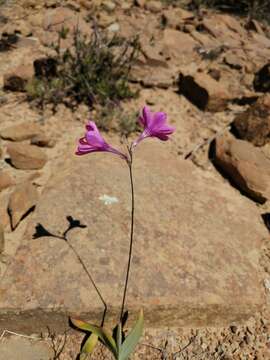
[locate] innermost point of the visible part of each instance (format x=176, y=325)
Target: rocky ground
x=211, y=73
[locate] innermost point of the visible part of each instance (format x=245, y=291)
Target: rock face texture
x=254, y=124
x=195, y=256
x=242, y=162
x=21, y=201
x=5, y=180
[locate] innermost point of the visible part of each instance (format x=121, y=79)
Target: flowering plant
x=154, y=125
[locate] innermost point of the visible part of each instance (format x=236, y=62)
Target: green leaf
x=132, y=339
x=102, y=333
x=89, y=346
x=119, y=336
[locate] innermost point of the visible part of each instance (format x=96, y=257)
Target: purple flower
x=93, y=141
x=154, y=126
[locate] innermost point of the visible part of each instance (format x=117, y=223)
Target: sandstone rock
x=177, y=43
x=21, y=201
x=205, y=92
x=4, y=217
x=232, y=23
x=262, y=79
x=255, y=26
x=235, y=59
x=105, y=20
x=20, y=132
x=245, y=165
x=174, y=18
x=74, y=5
x=224, y=28
x=27, y=157
x=2, y=239
x=108, y=5
x=114, y=28
x=261, y=40
x=56, y=19
x=17, y=79
x=5, y=180
x=162, y=80
x=254, y=124
x=196, y=246
x=89, y=4
x=153, y=54
x=140, y=3
x=153, y=77
x=43, y=140
x=153, y=5
x=36, y=19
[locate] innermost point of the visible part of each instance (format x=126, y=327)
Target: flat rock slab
x=19, y=348
x=196, y=246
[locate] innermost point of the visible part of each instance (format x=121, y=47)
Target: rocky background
x=208, y=70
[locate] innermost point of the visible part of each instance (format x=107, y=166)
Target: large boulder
x=254, y=124
x=196, y=246
x=23, y=131
x=26, y=157
x=245, y=165
x=204, y=91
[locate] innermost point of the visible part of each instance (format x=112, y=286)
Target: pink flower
x=93, y=141
x=154, y=126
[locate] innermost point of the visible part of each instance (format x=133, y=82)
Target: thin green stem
x=90, y=278
x=131, y=234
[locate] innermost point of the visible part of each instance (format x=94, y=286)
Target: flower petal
x=159, y=119
x=94, y=137
x=146, y=117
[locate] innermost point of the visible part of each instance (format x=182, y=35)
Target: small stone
x=21, y=201
x=73, y=5
x=20, y=132
x=17, y=79
x=245, y=165
x=43, y=140
x=2, y=239
x=105, y=20
x=5, y=180
x=154, y=6
x=27, y=157
x=89, y=4
x=108, y=5
x=115, y=27
x=126, y=6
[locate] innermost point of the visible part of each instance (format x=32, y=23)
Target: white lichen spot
x=108, y=200
x=267, y=284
